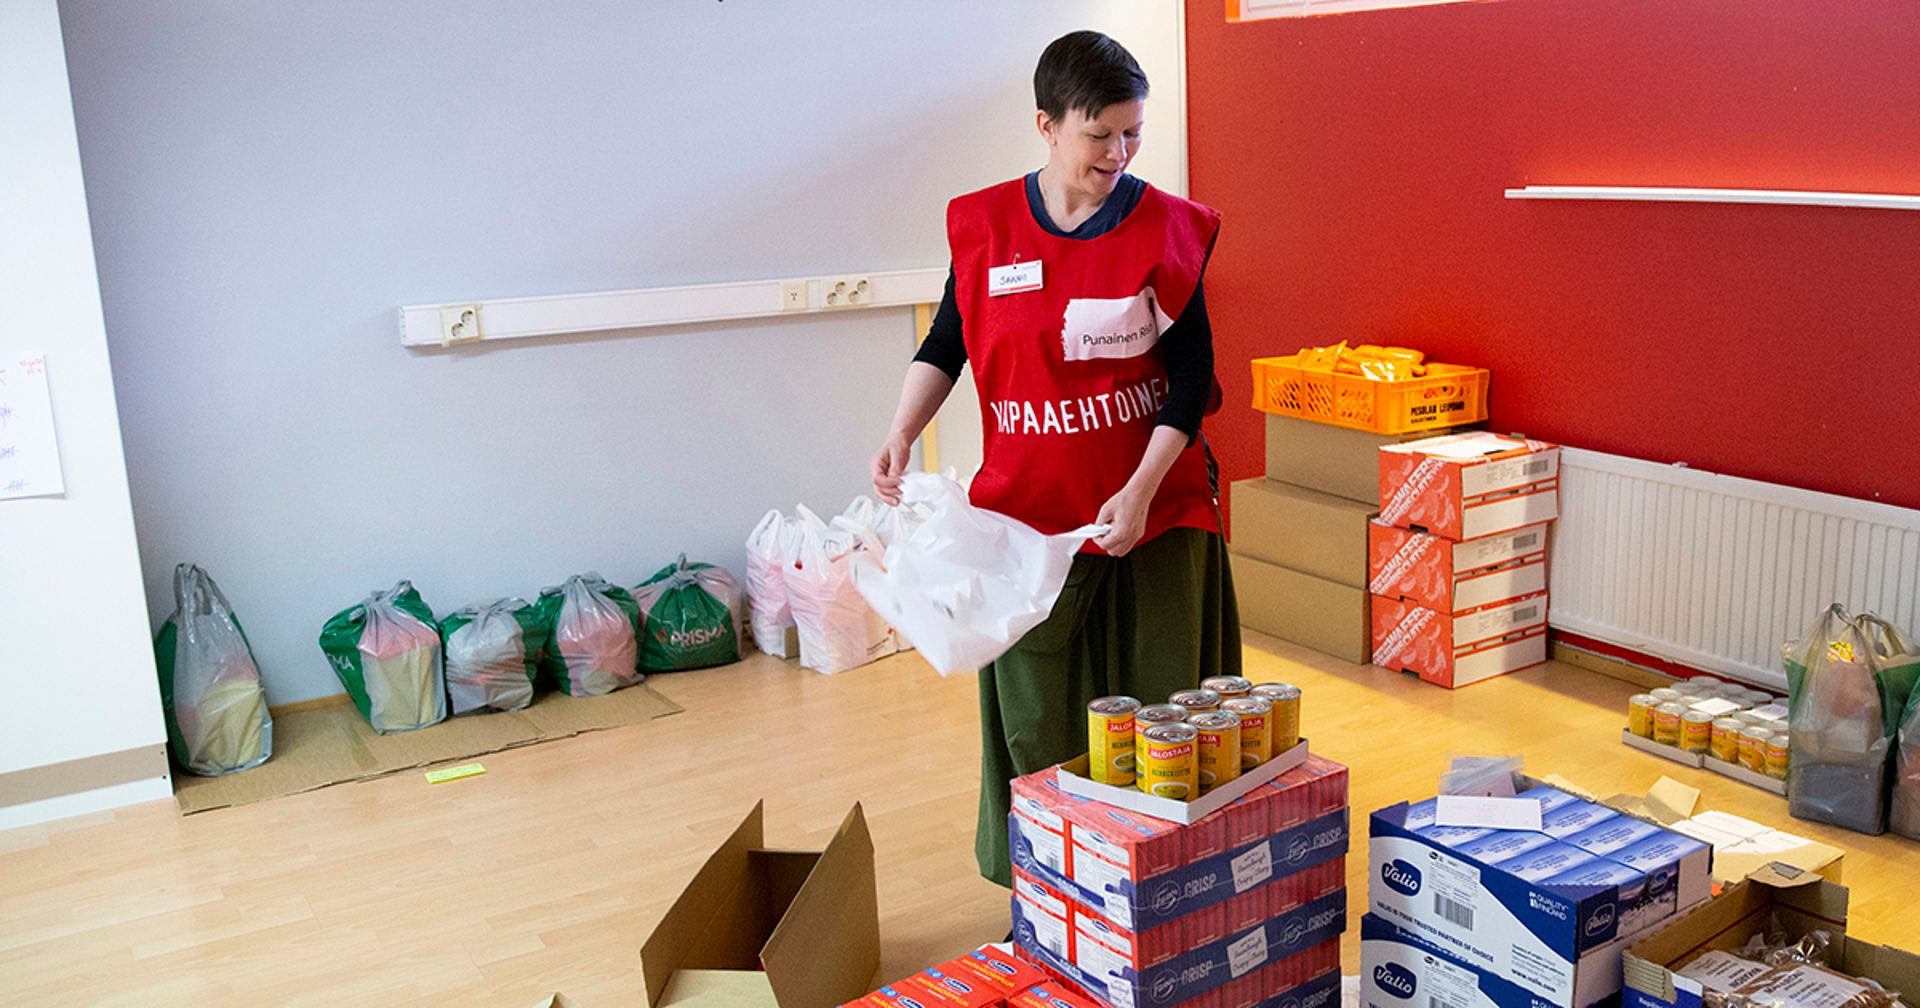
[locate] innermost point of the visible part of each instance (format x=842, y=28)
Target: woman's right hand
x=888, y=466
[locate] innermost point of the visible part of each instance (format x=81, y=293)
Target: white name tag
x=1013, y=279
x=1113, y=327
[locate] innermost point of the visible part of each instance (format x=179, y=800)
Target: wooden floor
x=546, y=873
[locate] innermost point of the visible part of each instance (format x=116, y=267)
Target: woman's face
x=1089, y=153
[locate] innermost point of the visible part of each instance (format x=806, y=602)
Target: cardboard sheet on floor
x=316, y=747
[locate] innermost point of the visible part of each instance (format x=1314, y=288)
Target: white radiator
x=1716, y=572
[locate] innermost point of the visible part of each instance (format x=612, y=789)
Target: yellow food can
x=1779, y=751
x=1640, y=715
x=1196, y=700
x=1219, y=747
x=1696, y=731
x=1168, y=759
x=1753, y=747
x=1110, y=739
x=1228, y=686
x=1143, y=719
x=1284, y=724
x=1725, y=745
x=1666, y=723
x=1256, y=717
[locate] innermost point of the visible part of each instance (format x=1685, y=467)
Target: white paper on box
x=1717, y=706
x=1468, y=446
x=1492, y=813
x=1248, y=953
x=1252, y=868
x=1722, y=971
x=1049, y=848
x=1742, y=828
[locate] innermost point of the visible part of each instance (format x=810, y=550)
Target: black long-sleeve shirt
x=1186, y=348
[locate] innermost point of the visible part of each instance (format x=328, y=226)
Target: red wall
x=1359, y=160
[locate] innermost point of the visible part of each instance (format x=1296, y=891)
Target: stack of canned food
x=1196, y=741
x=1752, y=734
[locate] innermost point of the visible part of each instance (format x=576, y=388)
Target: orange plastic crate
x=1448, y=396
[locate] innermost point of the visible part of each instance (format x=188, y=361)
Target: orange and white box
x=1456, y=577
x=1456, y=650
x=1464, y=486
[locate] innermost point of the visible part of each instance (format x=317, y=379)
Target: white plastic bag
x=770, y=550
x=209, y=685
x=838, y=630
x=966, y=584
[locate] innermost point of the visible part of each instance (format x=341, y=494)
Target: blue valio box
x=1399, y=970
x=1537, y=934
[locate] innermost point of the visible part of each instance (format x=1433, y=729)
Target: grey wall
x=268, y=182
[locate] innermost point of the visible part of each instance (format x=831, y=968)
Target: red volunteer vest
x=1069, y=374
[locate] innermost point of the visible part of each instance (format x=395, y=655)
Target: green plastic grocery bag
x=691, y=616
x=386, y=652
x=216, y=712
x=492, y=652
x=593, y=634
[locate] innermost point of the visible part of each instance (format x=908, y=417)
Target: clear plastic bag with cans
x=1841, y=749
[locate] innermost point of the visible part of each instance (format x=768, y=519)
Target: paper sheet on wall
x=29, y=454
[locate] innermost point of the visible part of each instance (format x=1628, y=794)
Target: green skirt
x=1146, y=624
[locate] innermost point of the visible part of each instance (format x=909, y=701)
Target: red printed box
x=1464, y=486
x=1455, y=651
x=1145, y=949
x=1140, y=871
x=1052, y=995
x=1456, y=577
x=1002, y=970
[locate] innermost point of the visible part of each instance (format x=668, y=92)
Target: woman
x=1075, y=295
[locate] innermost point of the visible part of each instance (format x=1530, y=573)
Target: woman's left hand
x=1126, y=513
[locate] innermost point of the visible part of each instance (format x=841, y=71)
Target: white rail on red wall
x=1716, y=572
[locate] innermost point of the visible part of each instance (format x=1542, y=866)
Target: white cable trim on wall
x=558, y=314
x=1669, y=194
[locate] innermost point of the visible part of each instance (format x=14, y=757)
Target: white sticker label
x=1049, y=848
x=1492, y=813
x=1049, y=932
x=1722, y=971
x=1249, y=953
x=1253, y=867
x=1021, y=276
x=1098, y=328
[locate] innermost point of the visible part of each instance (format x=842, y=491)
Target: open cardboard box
x=1739, y=847
x=760, y=928
x=1800, y=901
x=1073, y=779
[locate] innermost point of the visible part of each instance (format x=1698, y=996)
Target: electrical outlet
x=846, y=291
x=793, y=295
x=459, y=323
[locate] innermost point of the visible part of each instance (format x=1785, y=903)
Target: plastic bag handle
x=1886, y=639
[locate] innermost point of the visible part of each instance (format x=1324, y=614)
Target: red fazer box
x=1003, y=971
x=957, y=990
x=1464, y=486
x=1052, y=994
x=1455, y=651
x=1455, y=577
x=1153, y=946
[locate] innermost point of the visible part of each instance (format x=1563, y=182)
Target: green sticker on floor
x=455, y=773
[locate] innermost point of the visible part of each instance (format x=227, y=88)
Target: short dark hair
x=1088, y=71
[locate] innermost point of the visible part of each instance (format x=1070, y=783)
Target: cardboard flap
x=679, y=932
x=837, y=907
x=1781, y=876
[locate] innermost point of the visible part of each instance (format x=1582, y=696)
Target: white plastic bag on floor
x=210, y=689
x=838, y=629
x=771, y=549
x=966, y=584
x=490, y=651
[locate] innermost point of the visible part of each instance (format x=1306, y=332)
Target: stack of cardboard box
x=1241, y=908
x=1300, y=534
x=1517, y=918
x=1457, y=559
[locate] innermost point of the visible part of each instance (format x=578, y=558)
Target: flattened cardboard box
x=1324, y=615
x=1336, y=460
x=1302, y=529
x=759, y=928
